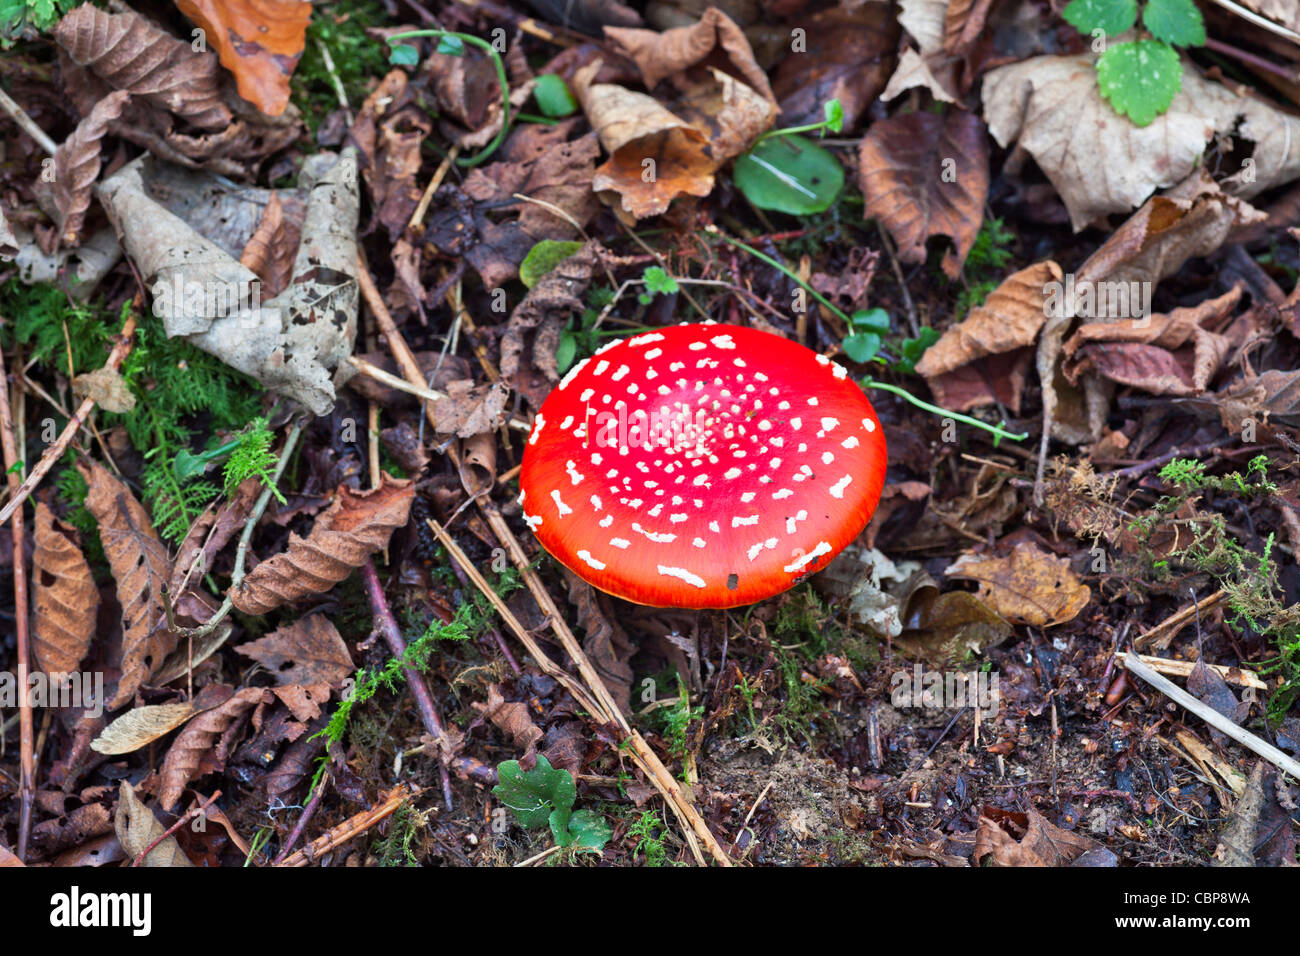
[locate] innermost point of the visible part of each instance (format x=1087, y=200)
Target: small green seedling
x=1139, y=77
x=867, y=330
x=545, y=795
x=543, y=258
x=657, y=282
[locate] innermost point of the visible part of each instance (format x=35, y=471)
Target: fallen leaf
x=140, y=570
x=194, y=751
x=1274, y=394
x=947, y=628
x=76, y=167
x=141, y=726
x=1101, y=163
x=714, y=41
x=470, y=409
x=1028, y=586
x=308, y=651
x=107, y=388
x=65, y=598
x=511, y=718
x=606, y=643
x=925, y=175
x=957, y=368
x=1042, y=843
x=270, y=250
x=358, y=524
x=915, y=70
x=137, y=829
x=926, y=21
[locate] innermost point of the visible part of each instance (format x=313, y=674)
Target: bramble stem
x=943, y=412
x=501, y=78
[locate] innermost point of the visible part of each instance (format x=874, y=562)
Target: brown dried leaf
x=1043, y=844
x=9, y=858
x=606, y=643
x=8, y=241
x=915, y=70
x=512, y=718
x=107, y=388
x=66, y=598
x=141, y=726
x=714, y=41
x=76, y=166
x=194, y=752
x=270, y=250
x=1008, y=321
x=130, y=53
x=470, y=409
x=925, y=21
x=140, y=569
x=358, y=524
x=259, y=41
x=1274, y=394
x=137, y=829
x=1028, y=586
x=910, y=183
x=308, y=651
x=963, y=23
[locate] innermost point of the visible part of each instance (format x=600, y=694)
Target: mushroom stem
x=996, y=430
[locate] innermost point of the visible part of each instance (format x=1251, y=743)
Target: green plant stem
x=790, y=275
x=790, y=131
x=943, y=412
x=501, y=78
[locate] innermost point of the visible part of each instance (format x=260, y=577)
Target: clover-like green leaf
x=1140, y=79
x=534, y=795
x=789, y=174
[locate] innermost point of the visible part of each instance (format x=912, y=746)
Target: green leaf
x=589, y=830
x=834, y=116
x=1177, y=22
x=911, y=350
x=535, y=795
x=1112, y=17
x=657, y=280
x=566, y=351
x=789, y=174
x=861, y=346
x=871, y=320
x=451, y=46
x=403, y=54
x=553, y=96
x=187, y=465
x=1140, y=79
x=544, y=257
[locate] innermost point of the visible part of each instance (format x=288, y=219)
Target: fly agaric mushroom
x=701, y=466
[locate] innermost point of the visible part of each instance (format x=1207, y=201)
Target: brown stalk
x=352, y=828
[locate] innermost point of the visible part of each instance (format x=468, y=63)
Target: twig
x=185, y=818
x=1258, y=20
x=27, y=750
x=307, y=813
x=55, y=451
x=1211, y=716
x=351, y=828
x=27, y=124
x=439, y=175
x=1233, y=675
x=1176, y=621
x=392, y=635
x=338, y=84
x=902, y=282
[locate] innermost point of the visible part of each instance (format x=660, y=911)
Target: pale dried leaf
x=141, y=726
x=1028, y=586
x=137, y=828
x=107, y=388
x=512, y=718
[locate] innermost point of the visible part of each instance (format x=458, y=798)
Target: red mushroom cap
x=702, y=466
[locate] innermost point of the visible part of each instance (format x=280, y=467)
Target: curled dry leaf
x=1171, y=354
x=107, y=388
x=141, y=726
x=194, y=752
x=915, y=70
x=1100, y=162
x=1040, y=843
x=308, y=651
x=128, y=52
x=269, y=251
x=606, y=643
x=259, y=41
x=512, y=718
x=140, y=570
x=291, y=343
x=963, y=23
x=1270, y=396
x=984, y=358
x=76, y=167
x=1028, y=586
x=137, y=828
x=470, y=409
x=715, y=41
x=926, y=175
x=66, y=598
x=926, y=21
x=355, y=526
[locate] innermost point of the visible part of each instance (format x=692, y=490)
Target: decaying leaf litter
x=279, y=316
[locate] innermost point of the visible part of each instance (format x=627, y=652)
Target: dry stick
x=649, y=760
x=186, y=817
x=307, y=813
x=418, y=216
x=1177, y=620
x=902, y=282
x=26, y=123
x=352, y=828
x=55, y=451
x=27, y=749
x=392, y=635
x=1233, y=675
x=582, y=694
x=1210, y=715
